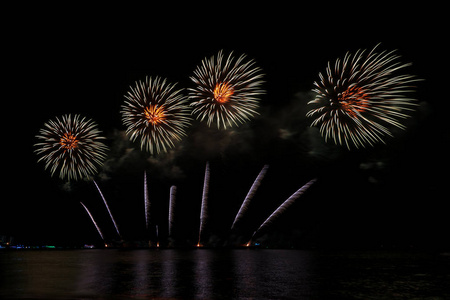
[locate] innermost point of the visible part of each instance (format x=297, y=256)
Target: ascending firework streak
x=282, y=208
x=249, y=196
x=204, y=208
x=146, y=202
x=157, y=236
x=173, y=191
x=107, y=207
x=93, y=221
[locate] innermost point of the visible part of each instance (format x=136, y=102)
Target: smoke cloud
x=269, y=135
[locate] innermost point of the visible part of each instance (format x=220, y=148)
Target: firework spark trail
x=249, y=196
x=93, y=221
x=73, y=145
x=283, y=207
x=157, y=235
x=173, y=191
x=360, y=96
x=146, y=202
x=204, y=208
x=107, y=207
x=226, y=91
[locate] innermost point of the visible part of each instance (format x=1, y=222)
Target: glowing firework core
x=223, y=92
x=353, y=99
x=154, y=114
x=69, y=141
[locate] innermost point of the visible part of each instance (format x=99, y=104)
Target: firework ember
x=360, y=96
x=156, y=113
x=226, y=91
x=71, y=145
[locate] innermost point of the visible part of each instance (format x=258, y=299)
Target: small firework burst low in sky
x=71, y=145
x=226, y=91
x=156, y=113
x=360, y=96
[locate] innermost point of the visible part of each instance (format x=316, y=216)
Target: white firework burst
x=157, y=113
x=227, y=91
x=71, y=145
x=361, y=96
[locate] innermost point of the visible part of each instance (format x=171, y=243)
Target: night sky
x=390, y=195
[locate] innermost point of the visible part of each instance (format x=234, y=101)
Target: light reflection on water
x=225, y=274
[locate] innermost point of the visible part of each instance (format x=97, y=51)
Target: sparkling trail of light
x=107, y=207
x=157, y=236
x=283, y=207
x=204, y=208
x=249, y=197
x=173, y=191
x=93, y=221
x=146, y=202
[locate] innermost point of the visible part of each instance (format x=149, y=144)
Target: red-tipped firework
x=361, y=96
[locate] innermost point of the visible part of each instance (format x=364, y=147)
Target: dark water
x=222, y=274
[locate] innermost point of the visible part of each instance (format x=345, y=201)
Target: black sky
x=391, y=194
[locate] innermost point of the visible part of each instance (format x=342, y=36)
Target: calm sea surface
x=222, y=274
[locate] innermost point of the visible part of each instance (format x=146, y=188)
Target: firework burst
x=226, y=90
x=156, y=113
x=358, y=98
x=71, y=145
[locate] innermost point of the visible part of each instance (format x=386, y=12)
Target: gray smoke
x=125, y=157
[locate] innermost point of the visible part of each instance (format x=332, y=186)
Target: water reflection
x=203, y=263
x=213, y=274
x=274, y=274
